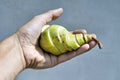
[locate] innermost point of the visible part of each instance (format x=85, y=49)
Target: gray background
x=101, y=17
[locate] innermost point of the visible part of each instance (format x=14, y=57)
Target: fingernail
x=59, y=9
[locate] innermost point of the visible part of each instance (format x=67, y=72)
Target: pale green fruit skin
x=72, y=41
x=57, y=40
x=46, y=42
x=87, y=37
x=83, y=38
x=64, y=34
x=80, y=39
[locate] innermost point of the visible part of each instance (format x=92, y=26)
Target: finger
x=92, y=44
x=46, y=17
x=50, y=16
x=34, y=26
x=83, y=31
x=72, y=54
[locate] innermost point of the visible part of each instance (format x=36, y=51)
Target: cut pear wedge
x=47, y=44
x=72, y=41
x=56, y=39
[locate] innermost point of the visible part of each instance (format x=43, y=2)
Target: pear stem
x=98, y=42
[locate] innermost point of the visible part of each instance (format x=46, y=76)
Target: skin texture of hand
x=24, y=50
x=28, y=36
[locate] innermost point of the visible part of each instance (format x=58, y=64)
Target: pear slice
x=63, y=34
x=46, y=42
x=71, y=41
x=56, y=39
x=80, y=39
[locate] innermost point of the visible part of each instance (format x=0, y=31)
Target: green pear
x=57, y=40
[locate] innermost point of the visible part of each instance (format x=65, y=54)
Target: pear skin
x=57, y=40
x=46, y=42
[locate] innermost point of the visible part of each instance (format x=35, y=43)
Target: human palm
x=34, y=56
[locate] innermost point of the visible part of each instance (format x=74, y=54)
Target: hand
x=28, y=36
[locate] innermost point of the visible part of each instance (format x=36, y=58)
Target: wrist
x=11, y=58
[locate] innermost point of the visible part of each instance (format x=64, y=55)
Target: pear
x=57, y=40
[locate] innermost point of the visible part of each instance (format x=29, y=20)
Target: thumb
x=50, y=15
x=34, y=25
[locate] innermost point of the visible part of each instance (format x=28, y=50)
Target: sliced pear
x=64, y=34
x=71, y=41
x=47, y=44
x=56, y=39
x=80, y=39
